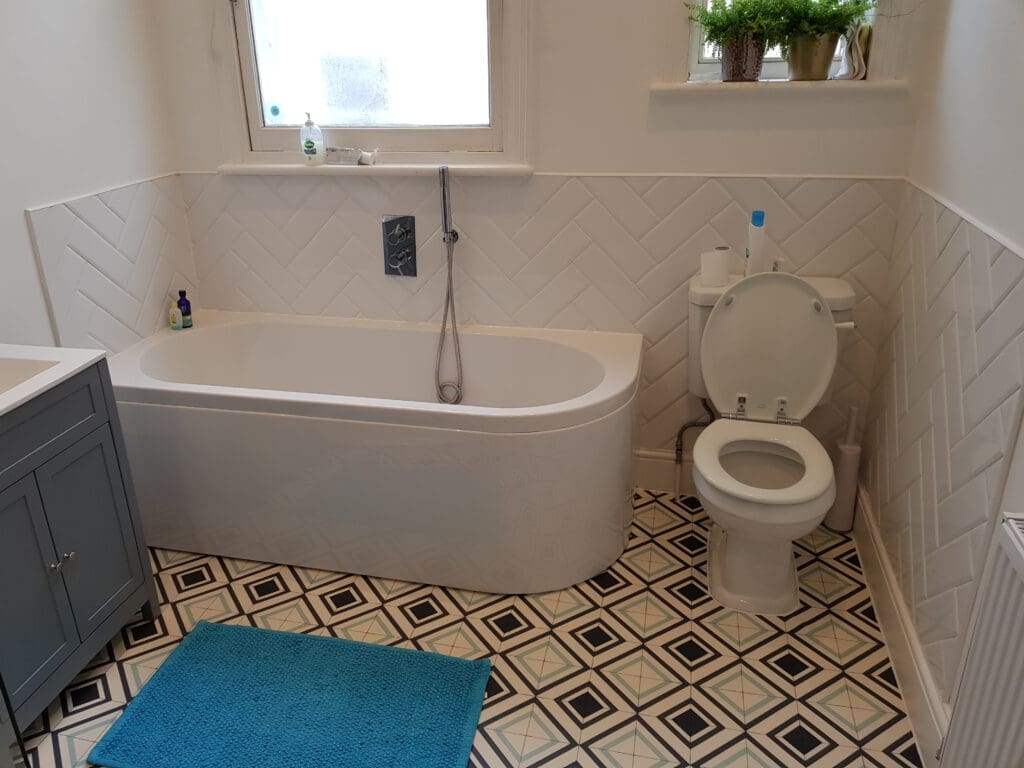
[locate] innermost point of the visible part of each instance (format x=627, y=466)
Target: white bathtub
x=318, y=442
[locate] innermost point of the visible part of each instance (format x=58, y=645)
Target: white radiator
x=987, y=726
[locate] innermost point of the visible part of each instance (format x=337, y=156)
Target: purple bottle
x=186, y=310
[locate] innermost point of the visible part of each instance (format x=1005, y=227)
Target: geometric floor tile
x=557, y=607
x=645, y=615
x=640, y=678
x=744, y=695
x=802, y=741
x=546, y=662
x=738, y=631
x=836, y=639
x=853, y=707
x=637, y=666
x=825, y=584
x=633, y=744
x=293, y=616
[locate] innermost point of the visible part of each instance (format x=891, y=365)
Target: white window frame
x=501, y=141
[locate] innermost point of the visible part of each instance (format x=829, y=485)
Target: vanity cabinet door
x=83, y=494
x=37, y=629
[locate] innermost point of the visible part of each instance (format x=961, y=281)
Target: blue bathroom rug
x=240, y=697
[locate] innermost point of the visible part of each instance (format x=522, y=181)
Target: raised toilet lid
x=770, y=337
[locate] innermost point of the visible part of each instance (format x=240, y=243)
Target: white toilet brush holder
x=840, y=516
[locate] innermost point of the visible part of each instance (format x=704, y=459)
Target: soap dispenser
x=311, y=139
x=174, y=317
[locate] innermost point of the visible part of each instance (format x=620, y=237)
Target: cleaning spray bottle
x=756, y=258
x=311, y=139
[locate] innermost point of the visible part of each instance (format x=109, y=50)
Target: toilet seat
x=815, y=482
x=769, y=349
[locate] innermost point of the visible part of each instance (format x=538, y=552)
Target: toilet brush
x=840, y=517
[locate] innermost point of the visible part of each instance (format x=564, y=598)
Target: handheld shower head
x=449, y=235
x=448, y=391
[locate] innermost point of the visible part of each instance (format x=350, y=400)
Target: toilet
x=767, y=354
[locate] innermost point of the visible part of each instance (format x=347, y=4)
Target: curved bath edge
x=505, y=513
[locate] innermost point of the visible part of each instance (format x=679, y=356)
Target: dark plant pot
x=810, y=56
x=742, y=60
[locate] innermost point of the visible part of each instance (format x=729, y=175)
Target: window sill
x=383, y=169
x=813, y=88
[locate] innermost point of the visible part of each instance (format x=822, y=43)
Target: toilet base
x=752, y=575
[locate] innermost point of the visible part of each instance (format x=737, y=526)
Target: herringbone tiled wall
x=606, y=253
x=112, y=262
x=944, y=414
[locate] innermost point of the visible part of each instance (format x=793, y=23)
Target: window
x=705, y=63
x=399, y=75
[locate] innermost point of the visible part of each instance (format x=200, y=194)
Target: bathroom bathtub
x=319, y=443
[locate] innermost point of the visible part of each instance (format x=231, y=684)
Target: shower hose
x=449, y=391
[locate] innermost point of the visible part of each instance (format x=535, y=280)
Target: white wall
x=80, y=84
x=970, y=108
x=123, y=90
x=593, y=63
x=203, y=90
x=590, y=108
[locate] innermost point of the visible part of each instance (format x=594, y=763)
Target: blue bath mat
x=254, y=698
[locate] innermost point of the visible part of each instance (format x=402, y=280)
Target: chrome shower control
x=69, y=556
x=399, y=245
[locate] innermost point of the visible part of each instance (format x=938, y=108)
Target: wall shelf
x=384, y=169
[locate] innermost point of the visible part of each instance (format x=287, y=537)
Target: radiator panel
x=987, y=726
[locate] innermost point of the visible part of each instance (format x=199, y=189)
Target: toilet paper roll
x=714, y=266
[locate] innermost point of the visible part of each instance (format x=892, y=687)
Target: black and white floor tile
x=637, y=667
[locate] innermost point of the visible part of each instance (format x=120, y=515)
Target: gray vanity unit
x=73, y=563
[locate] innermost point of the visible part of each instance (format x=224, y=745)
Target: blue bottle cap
x=757, y=218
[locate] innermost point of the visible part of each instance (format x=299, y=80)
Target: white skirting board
x=654, y=470
x=929, y=714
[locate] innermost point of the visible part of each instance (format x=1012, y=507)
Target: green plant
x=726, y=24
x=821, y=17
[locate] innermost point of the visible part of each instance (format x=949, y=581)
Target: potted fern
x=811, y=31
x=740, y=31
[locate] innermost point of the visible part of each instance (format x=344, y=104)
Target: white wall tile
x=607, y=253
x=944, y=412
x=113, y=262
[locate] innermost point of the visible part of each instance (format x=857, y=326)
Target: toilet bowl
x=763, y=486
x=768, y=353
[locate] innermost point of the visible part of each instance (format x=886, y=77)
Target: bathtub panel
x=495, y=512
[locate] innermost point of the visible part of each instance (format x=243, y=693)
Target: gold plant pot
x=810, y=56
x=742, y=60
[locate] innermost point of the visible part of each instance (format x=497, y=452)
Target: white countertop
x=29, y=371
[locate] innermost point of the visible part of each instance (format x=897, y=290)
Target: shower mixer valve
x=399, y=245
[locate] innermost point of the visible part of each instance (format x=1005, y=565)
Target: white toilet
x=767, y=354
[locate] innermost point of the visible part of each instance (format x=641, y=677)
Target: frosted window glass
x=353, y=63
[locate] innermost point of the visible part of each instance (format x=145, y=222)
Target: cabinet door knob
x=57, y=567
x=70, y=555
